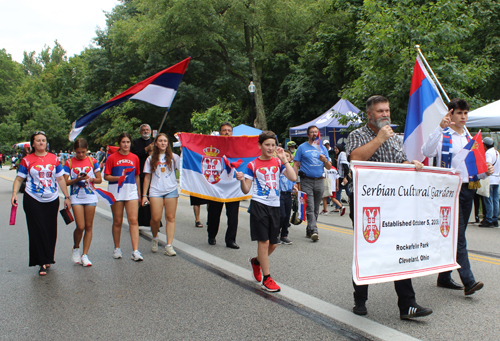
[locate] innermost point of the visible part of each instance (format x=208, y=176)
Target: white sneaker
x=154, y=245
x=117, y=254
x=77, y=259
x=136, y=256
x=85, y=261
x=169, y=251
x=314, y=237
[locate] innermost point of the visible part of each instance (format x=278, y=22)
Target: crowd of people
x=141, y=176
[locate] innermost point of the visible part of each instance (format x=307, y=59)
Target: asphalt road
x=206, y=292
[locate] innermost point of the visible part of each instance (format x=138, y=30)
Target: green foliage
x=210, y=120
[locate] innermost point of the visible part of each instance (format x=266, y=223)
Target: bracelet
x=66, y=197
x=145, y=195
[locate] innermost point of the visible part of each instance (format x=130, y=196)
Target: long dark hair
x=122, y=135
x=155, y=156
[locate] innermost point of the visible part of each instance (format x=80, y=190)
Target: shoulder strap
x=446, y=154
x=91, y=163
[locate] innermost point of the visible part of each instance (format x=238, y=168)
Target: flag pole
x=163, y=120
x=417, y=47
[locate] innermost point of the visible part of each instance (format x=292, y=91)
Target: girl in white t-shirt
x=159, y=171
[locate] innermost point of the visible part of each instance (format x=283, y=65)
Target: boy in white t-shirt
x=264, y=173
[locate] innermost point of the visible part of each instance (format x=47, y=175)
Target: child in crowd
x=286, y=189
x=81, y=173
x=264, y=173
x=331, y=186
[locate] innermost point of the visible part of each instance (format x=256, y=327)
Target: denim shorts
x=89, y=204
x=173, y=194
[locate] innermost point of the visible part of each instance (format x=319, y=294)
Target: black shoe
x=451, y=284
x=308, y=234
x=232, y=245
x=495, y=224
x=359, y=307
x=212, y=241
x=486, y=224
x=473, y=287
x=416, y=311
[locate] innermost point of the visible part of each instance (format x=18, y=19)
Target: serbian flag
x=209, y=165
x=159, y=89
x=107, y=197
x=302, y=205
x=474, y=156
x=426, y=109
x=318, y=144
x=128, y=173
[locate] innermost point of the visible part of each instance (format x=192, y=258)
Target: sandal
x=42, y=271
x=198, y=224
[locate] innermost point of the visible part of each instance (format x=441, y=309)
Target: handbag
x=484, y=190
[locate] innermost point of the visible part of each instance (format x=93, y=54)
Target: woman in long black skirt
x=41, y=200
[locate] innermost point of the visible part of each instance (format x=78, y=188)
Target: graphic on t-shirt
x=45, y=177
x=266, y=180
x=162, y=170
x=81, y=188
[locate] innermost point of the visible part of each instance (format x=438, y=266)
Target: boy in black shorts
x=264, y=172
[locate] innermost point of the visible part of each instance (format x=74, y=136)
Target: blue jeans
x=339, y=192
x=465, y=207
x=491, y=204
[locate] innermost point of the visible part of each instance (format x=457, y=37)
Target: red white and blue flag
x=474, y=156
x=107, y=197
x=159, y=89
x=209, y=165
x=425, y=110
x=128, y=174
x=302, y=205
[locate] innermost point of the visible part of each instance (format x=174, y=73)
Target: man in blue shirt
x=311, y=159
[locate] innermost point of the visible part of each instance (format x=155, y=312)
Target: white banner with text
x=405, y=221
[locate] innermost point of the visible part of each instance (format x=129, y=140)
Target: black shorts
x=264, y=222
x=197, y=201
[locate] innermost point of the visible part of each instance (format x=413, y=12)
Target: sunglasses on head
x=39, y=132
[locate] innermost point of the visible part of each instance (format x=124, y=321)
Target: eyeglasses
x=39, y=132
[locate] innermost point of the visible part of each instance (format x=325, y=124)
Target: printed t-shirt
x=163, y=180
x=265, y=175
x=310, y=164
x=82, y=192
x=333, y=175
x=116, y=165
x=41, y=173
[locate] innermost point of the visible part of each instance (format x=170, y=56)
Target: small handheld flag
x=127, y=173
x=107, y=197
x=302, y=205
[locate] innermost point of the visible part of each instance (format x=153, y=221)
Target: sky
x=29, y=25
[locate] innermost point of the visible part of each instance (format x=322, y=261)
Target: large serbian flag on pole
x=425, y=110
x=209, y=165
x=159, y=89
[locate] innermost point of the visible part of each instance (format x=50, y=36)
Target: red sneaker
x=270, y=285
x=256, y=272
x=342, y=211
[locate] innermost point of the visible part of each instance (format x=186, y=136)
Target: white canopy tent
x=487, y=116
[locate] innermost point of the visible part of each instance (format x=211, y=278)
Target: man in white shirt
x=444, y=143
x=491, y=203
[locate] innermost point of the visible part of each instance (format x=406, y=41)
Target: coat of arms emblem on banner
x=211, y=165
x=371, y=223
x=444, y=218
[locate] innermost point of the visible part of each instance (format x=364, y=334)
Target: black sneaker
x=415, y=311
x=285, y=241
x=359, y=307
x=486, y=224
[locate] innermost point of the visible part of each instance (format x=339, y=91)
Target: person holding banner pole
x=214, y=209
x=377, y=142
x=447, y=140
x=311, y=160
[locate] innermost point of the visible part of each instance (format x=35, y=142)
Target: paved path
x=207, y=293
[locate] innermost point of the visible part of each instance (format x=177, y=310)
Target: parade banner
x=405, y=221
x=209, y=165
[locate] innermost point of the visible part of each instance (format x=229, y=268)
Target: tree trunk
x=260, y=121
